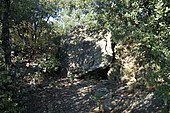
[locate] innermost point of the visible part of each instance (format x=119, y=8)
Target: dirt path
x=59, y=96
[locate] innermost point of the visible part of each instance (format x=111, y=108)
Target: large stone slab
x=83, y=51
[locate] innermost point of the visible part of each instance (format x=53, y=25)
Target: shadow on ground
x=41, y=93
x=58, y=95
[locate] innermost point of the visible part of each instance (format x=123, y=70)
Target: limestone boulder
x=83, y=51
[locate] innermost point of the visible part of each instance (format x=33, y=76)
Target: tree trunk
x=5, y=33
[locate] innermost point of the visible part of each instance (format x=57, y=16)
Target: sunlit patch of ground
x=61, y=96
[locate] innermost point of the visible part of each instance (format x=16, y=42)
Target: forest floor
x=58, y=95
x=41, y=93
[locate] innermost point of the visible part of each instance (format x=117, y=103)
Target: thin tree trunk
x=5, y=33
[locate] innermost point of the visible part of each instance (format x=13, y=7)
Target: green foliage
x=30, y=27
x=32, y=22
x=155, y=35
x=49, y=64
x=76, y=12
x=146, y=23
x=7, y=104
